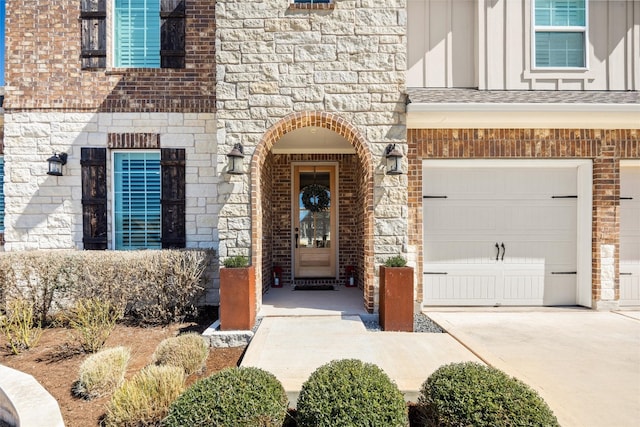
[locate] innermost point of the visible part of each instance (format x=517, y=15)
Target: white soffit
x=309, y=140
x=514, y=115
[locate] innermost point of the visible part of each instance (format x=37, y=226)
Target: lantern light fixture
x=394, y=160
x=56, y=162
x=236, y=160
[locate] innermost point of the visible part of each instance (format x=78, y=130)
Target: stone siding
x=45, y=212
x=276, y=62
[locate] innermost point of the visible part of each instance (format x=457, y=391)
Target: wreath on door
x=316, y=198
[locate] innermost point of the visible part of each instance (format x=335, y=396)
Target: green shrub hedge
x=234, y=397
x=470, y=394
x=350, y=392
x=153, y=286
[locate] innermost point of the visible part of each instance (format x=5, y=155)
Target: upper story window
x=145, y=33
x=560, y=33
x=137, y=33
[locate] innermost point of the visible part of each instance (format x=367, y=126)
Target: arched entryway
x=273, y=175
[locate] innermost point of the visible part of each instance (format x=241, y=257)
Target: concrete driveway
x=585, y=364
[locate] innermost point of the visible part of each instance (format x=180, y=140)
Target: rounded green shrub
x=465, y=394
x=188, y=351
x=350, y=392
x=234, y=397
x=102, y=372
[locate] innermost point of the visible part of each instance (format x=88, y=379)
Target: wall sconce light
x=394, y=160
x=55, y=163
x=236, y=160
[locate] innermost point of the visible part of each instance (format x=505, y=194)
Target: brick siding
x=605, y=147
x=43, y=68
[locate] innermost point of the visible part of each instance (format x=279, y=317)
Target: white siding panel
x=441, y=43
x=487, y=44
x=416, y=42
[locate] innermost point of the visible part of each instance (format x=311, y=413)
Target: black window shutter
x=172, y=33
x=172, y=163
x=93, y=14
x=94, y=198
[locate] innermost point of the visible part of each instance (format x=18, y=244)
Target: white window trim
x=111, y=43
x=111, y=195
x=559, y=29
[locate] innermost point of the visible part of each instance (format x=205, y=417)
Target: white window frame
x=559, y=29
x=112, y=41
x=112, y=193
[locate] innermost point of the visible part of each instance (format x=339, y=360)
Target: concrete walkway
x=585, y=364
x=292, y=348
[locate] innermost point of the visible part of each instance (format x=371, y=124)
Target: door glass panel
x=314, y=199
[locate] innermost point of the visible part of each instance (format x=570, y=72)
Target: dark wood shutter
x=93, y=14
x=172, y=163
x=172, y=33
x=94, y=198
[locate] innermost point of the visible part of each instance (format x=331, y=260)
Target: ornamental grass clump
x=188, y=351
x=234, y=397
x=144, y=399
x=470, y=394
x=18, y=326
x=93, y=320
x=101, y=373
x=350, y=392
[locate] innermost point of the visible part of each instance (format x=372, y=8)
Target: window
x=560, y=33
x=137, y=33
x=136, y=200
x=1, y=194
x=146, y=33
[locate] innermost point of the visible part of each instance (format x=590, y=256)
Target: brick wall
x=43, y=69
x=604, y=147
x=280, y=218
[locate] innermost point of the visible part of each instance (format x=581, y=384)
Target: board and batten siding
x=487, y=44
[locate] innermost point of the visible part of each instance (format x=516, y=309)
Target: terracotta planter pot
x=396, y=298
x=237, y=298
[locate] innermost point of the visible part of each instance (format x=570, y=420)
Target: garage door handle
x=503, y=251
x=498, y=253
x=626, y=274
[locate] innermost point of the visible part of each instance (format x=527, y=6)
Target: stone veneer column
x=273, y=61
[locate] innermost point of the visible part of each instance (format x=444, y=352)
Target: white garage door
x=630, y=234
x=499, y=236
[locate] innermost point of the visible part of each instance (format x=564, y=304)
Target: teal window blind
x=137, y=221
x=560, y=33
x=1, y=194
x=137, y=33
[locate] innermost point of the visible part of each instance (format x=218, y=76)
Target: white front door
x=630, y=233
x=500, y=236
x=314, y=225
